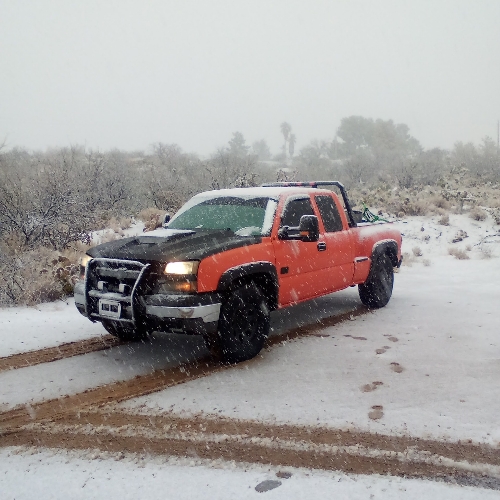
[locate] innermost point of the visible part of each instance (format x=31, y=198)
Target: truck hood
x=164, y=245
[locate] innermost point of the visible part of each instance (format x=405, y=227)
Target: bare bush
x=458, y=253
x=417, y=252
x=478, y=214
x=444, y=220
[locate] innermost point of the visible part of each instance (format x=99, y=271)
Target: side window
x=329, y=213
x=294, y=210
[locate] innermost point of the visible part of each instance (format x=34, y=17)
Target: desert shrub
x=426, y=262
x=478, y=214
x=408, y=259
x=486, y=253
x=444, y=220
x=417, y=252
x=35, y=276
x=440, y=202
x=458, y=253
x=147, y=214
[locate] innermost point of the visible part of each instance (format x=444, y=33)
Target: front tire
x=243, y=325
x=124, y=331
x=376, y=291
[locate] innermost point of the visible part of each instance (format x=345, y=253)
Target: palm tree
x=291, y=144
x=286, y=128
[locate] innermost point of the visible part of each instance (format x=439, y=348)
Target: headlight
x=84, y=260
x=83, y=264
x=182, y=268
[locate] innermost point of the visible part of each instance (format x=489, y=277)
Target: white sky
x=126, y=74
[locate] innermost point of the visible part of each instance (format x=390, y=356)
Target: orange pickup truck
x=229, y=257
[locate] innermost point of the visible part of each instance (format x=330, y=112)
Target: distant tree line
x=58, y=196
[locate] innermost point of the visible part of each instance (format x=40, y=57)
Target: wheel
x=376, y=291
x=243, y=325
x=124, y=331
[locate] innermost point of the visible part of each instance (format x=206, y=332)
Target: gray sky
x=126, y=74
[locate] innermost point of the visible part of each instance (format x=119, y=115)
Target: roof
x=260, y=191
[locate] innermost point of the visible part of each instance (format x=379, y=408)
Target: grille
x=116, y=280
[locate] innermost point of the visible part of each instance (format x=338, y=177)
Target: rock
x=267, y=485
x=283, y=475
x=461, y=234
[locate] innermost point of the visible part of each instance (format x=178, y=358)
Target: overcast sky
x=125, y=74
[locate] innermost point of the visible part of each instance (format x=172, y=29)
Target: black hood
x=174, y=246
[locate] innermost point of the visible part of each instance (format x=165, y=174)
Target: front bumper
x=196, y=313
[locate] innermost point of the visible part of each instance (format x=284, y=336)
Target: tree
x=261, y=149
x=291, y=144
x=237, y=145
x=286, y=128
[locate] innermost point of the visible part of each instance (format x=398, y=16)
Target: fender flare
x=246, y=270
x=387, y=247
x=266, y=277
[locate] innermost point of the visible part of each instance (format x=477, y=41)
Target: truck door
x=338, y=249
x=299, y=263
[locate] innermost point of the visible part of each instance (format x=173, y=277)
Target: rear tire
x=243, y=325
x=376, y=291
x=125, y=331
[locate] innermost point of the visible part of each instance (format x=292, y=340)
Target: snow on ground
x=441, y=328
x=72, y=375
x=46, y=325
x=46, y=474
x=443, y=321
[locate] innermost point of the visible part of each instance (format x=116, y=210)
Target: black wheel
x=243, y=325
x=376, y=291
x=124, y=331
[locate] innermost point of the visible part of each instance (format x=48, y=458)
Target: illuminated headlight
x=83, y=264
x=180, y=277
x=182, y=268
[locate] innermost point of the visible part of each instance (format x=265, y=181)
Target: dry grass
x=444, y=220
x=417, y=252
x=478, y=214
x=458, y=253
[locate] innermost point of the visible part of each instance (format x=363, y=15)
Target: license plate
x=109, y=308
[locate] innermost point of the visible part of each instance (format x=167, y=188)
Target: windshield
x=244, y=216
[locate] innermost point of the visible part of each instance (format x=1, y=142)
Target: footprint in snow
x=376, y=412
x=396, y=367
x=371, y=387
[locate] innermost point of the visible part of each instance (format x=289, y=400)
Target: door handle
x=321, y=246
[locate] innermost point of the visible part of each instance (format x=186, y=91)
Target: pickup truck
x=230, y=257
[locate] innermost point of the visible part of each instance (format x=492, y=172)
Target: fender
x=246, y=270
x=388, y=247
x=264, y=274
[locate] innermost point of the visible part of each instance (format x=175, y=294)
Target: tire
x=124, y=331
x=243, y=325
x=376, y=291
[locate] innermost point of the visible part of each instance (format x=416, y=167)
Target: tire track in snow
x=212, y=438
x=48, y=354
x=158, y=380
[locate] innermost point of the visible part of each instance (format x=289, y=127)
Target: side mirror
x=309, y=228
x=166, y=220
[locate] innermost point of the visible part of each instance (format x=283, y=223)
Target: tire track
x=62, y=351
x=271, y=444
x=158, y=380
x=77, y=348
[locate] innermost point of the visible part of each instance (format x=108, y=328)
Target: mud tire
x=243, y=325
x=376, y=291
x=124, y=331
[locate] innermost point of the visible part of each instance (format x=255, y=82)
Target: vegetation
x=50, y=202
